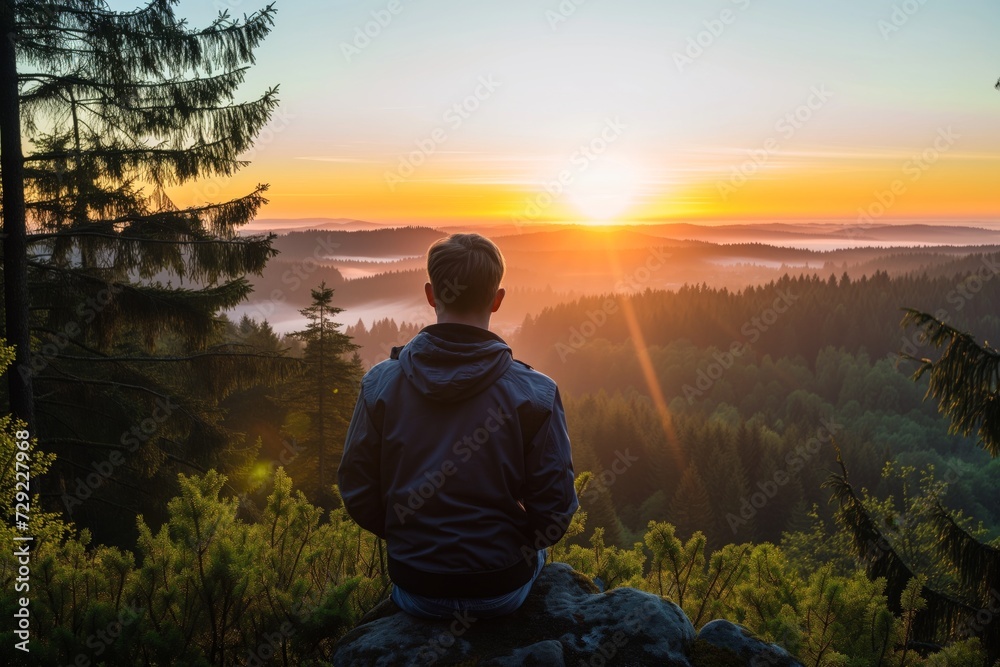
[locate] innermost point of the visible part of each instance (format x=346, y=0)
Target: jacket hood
x=451, y=362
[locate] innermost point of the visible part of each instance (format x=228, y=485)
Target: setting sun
x=606, y=191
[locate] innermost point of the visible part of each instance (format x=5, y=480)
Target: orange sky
x=957, y=186
x=463, y=112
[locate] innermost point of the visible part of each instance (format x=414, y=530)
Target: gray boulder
x=566, y=620
x=730, y=645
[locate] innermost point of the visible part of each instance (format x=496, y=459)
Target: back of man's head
x=465, y=272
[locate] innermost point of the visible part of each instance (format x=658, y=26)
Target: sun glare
x=605, y=191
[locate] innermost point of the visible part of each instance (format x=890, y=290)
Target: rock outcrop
x=566, y=620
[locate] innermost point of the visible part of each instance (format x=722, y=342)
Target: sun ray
x=646, y=365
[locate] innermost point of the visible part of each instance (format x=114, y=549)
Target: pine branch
x=106, y=446
x=221, y=219
x=978, y=564
x=192, y=357
x=77, y=234
x=881, y=560
x=159, y=165
x=965, y=380
x=152, y=309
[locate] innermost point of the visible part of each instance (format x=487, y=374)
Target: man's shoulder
x=538, y=387
x=379, y=375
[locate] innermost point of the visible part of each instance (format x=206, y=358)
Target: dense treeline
x=748, y=464
x=376, y=342
x=582, y=342
x=387, y=242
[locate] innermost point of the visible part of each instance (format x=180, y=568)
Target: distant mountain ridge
x=765, y=232
x=285, y=225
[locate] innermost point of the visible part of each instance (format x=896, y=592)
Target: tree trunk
x=15, y=241
x=322, y=414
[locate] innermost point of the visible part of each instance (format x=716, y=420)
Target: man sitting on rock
x=458, y=455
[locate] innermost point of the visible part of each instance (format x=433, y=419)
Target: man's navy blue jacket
x=458, y=456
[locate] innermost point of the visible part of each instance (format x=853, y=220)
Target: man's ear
x=429, y=293
x=498, y=299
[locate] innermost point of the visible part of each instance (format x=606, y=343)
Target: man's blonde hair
x=465, y=272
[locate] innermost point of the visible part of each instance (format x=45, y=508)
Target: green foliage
x=208, y=588
x=612, y=565
x=217, y=576
x=216, y=585
x=938, y=596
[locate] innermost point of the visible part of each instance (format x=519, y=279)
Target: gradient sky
x=884, y=89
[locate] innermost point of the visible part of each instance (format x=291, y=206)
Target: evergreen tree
x=691, y=508
x=123, y=287
x=325, y=394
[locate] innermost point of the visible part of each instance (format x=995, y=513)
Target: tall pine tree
x=112, y=293
x=325, y=393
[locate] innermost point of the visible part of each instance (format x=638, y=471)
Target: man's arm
x=359, y=474
x=549, y=496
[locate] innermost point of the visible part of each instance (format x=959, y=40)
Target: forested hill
x=402, y=241
x=790, y=317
